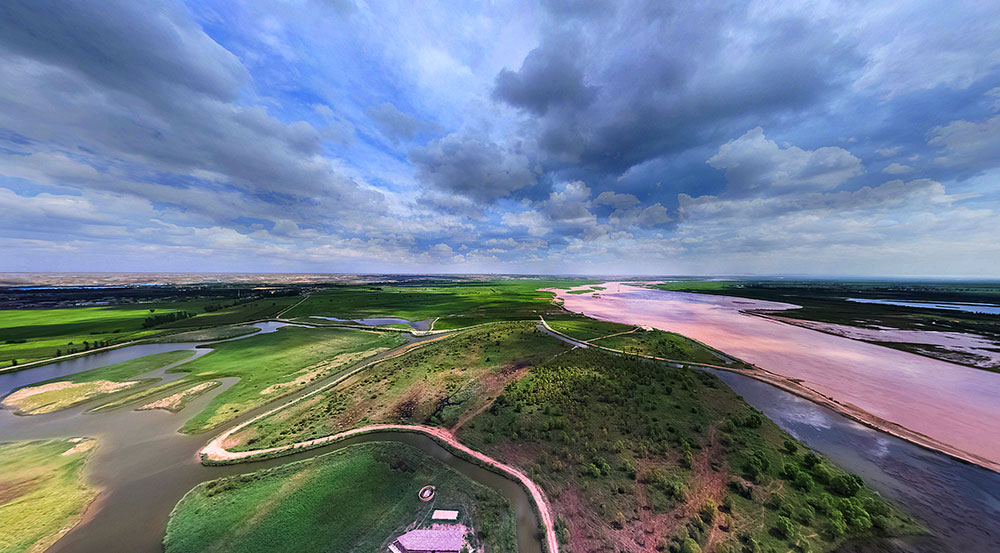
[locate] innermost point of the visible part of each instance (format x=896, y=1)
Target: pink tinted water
x=956, y=405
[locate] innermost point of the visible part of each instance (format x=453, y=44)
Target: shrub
x=847, y=484
x=785, y=527
x=708, y=511
x=690, y=546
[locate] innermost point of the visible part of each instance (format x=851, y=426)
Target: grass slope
x=437, y=384
x=87, y=385
x=273, y=365
x=355, y=499
x=635, y=454
x=206, y=334
x=588, y=329
x=42, y=492
x=457, y=305
x=658, y=343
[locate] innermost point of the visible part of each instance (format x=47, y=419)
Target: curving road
x=216, y=452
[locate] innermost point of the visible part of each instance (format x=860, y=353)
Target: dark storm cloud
x=475, y=168
x=668, y=79
x=143, y=84
x=549, y=77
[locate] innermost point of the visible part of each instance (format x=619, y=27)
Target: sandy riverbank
x=939, y=405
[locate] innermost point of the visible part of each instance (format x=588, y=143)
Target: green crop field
x=42, y=491
x=61, y=393
x=355, y=499
x=35, y=334
x=435, y=384
x=273, y=365
x=455, y=305
x=636, y=454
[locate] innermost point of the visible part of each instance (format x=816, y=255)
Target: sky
x=563, y=136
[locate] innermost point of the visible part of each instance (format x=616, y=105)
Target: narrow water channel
x=144, y=466
x=958, y=502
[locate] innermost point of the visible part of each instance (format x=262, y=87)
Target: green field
x=273, y=365
x=435, y=384
x=667, y=345
x=355, y=499
x=62, y=393
x=635, y=454
x=42, y=491
x=34, y=334
x=587, y=329
x=456, y=305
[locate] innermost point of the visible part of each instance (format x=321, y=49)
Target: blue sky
x=566, y=136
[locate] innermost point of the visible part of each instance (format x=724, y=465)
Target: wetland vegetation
x=42, y=491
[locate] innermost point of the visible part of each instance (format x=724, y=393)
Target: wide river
x=951, y=404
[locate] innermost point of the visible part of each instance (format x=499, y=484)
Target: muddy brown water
x=143, y=465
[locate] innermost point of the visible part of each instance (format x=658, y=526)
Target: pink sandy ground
x=955, y=405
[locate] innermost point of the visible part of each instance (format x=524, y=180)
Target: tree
x=847, y=484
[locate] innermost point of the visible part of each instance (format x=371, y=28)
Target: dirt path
x=215, y=452
x=612, y=335
x=287, y=309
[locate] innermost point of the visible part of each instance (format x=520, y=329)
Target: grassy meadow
x=276, y=364
x=454, y=305
x=438, y=384
x=42, y=491
x=658, y=343
x=635, y=454
x=34, y=334
x=586, y=329
x=358, y=498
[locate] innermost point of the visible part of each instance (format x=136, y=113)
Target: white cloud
x=968, y=143
x=755, y=164
x=897, y=169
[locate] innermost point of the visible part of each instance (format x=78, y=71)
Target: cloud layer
x=611, y=137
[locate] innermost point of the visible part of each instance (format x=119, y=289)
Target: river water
x=143, y=466
x=958, y=502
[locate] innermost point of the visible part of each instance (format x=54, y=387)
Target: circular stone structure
x=426, y=493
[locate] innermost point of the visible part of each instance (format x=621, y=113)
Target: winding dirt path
x=216, y=452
